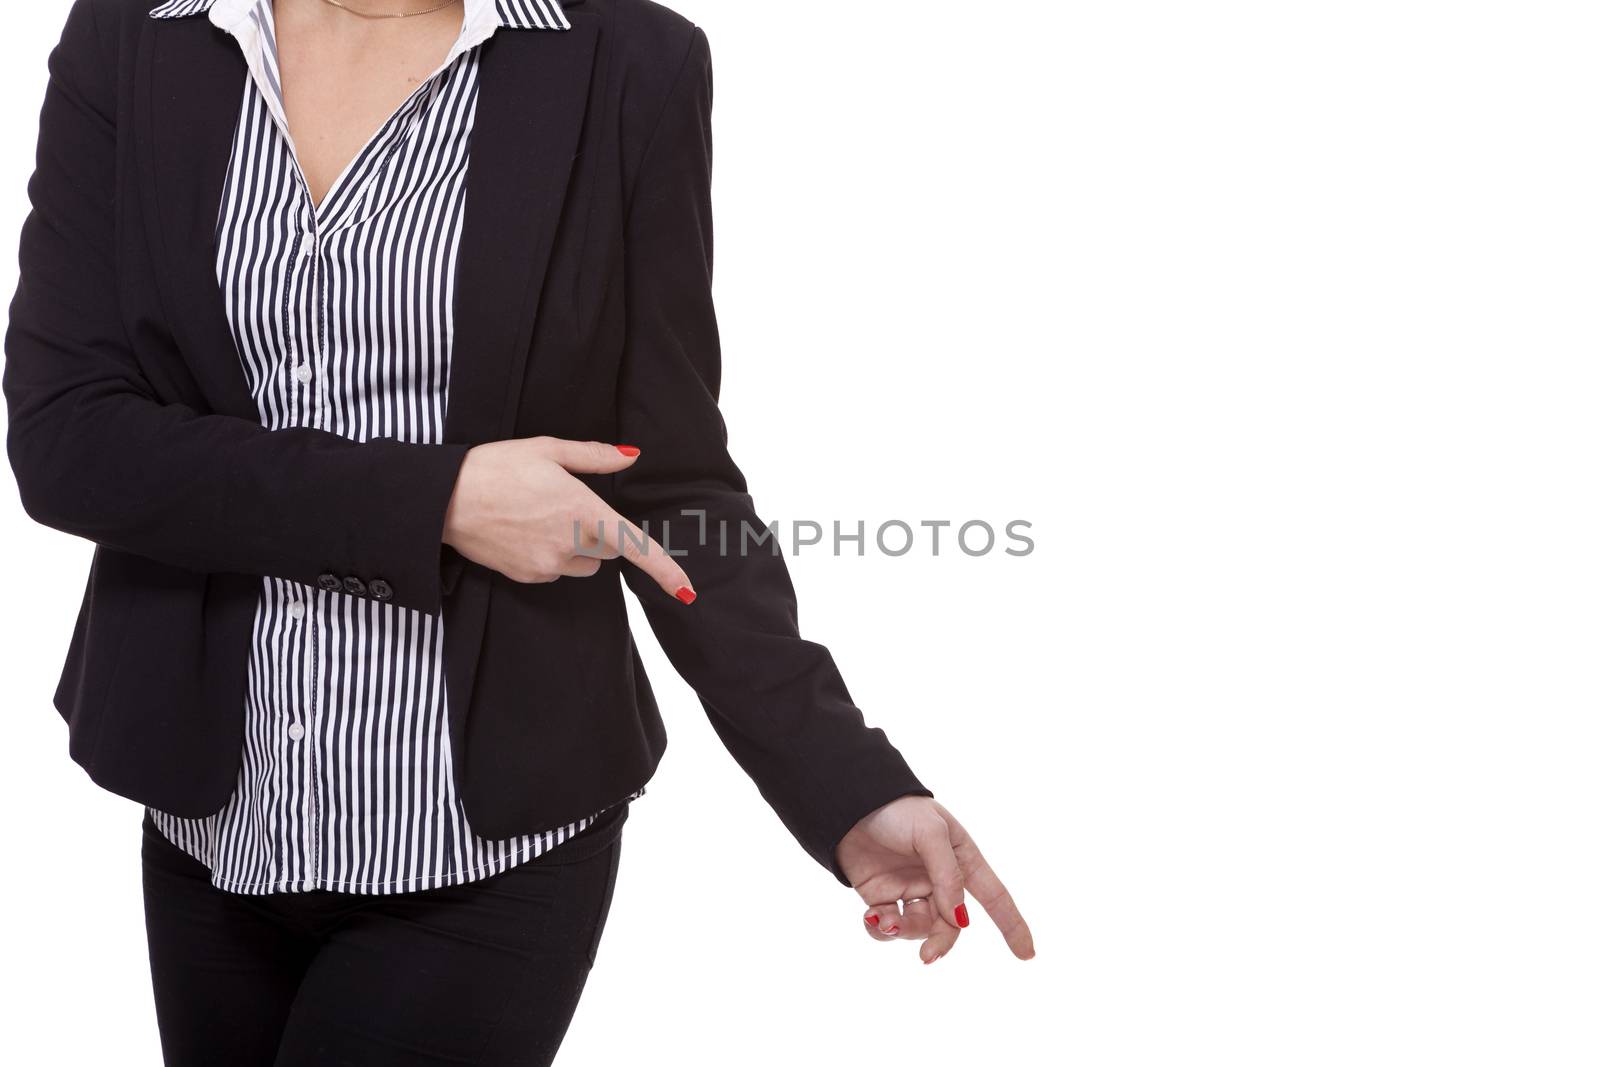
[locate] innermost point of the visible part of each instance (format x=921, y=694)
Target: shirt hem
x=527, y=853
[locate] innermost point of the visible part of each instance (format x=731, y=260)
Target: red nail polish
x=872, y=920
x=685, y=594
x=893, y=929
x=628, y=450
x=961, y=916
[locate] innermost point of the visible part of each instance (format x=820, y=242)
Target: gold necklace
x=388, y=14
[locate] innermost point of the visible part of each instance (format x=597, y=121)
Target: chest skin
x=343, y=75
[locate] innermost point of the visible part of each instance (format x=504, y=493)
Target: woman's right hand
x=518, y=509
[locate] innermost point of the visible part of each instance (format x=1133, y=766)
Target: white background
x=1278, y=320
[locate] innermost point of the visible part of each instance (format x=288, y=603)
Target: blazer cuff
x=853, y=799
x=411, y=492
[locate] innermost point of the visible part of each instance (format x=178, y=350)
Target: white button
x=297, y=610
x=302, y=373
x=296, y=732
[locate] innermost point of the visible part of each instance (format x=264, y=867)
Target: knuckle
x=534, y=570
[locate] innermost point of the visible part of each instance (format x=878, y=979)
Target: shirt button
x=296, y=732
x=302, y=373
x=297, y=610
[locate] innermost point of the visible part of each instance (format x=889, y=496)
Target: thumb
x=587, y=457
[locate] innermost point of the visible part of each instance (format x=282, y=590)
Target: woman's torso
x=342, y=308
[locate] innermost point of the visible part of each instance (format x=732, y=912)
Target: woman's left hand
x=912, y=850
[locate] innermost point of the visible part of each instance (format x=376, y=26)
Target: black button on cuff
x=356, y=586
x=329, y=582
x=380, y=589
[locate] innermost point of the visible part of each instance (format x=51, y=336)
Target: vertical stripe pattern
x=342, y=312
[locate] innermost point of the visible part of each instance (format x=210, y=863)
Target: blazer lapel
x=192, y=83
x=533, y=90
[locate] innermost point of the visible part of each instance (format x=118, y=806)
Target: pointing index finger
x=988, y=890
x=644, y=552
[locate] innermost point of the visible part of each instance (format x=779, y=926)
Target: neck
x=384, y=10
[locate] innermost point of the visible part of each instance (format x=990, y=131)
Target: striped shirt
x=343, y=316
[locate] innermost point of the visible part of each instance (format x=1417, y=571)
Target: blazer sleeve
x=98, y=454
x=776, y=700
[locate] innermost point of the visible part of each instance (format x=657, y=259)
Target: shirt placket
x=305, y=607
x=310, y=406
x=310, y=609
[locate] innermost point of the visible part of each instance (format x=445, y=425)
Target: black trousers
x=484, y=973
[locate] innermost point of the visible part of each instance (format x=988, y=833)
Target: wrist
x=455, y=512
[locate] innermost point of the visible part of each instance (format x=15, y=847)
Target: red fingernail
x=872, y=920
x=685, y=594
x=895, y=929
x=628, y=450
x=961, y=916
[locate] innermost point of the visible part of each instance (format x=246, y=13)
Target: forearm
x=777, y=701
x=216, y=493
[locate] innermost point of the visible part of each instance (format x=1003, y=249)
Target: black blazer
x=583, y=311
